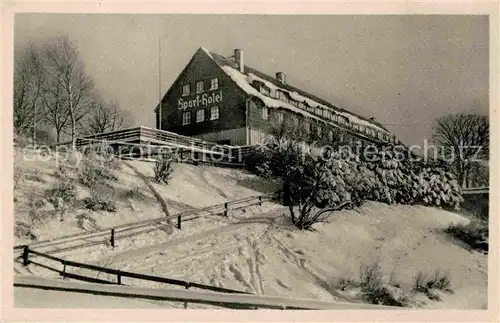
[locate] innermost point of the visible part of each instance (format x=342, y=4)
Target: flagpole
x=159, y=83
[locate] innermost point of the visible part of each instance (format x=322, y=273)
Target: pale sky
x=403, y=70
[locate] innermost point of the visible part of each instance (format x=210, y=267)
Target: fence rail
x=118, y=273
x=475, y=190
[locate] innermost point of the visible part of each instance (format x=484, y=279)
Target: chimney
x=281, y=77
x=238, y=57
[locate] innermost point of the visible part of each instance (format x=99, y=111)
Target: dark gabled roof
x=226, y=61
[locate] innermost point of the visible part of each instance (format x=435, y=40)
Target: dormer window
x=264, y=90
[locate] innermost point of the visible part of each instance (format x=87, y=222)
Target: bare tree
x=464, y=139
x=67, y=70
x=29, y=75
x=105, y=117
x=55, y=111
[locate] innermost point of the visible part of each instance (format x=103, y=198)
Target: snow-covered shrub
x=63, y=190
x=327, y=180
x=475, y=234
x=309, y=182
x=93, y=170
x=163, y=169
x=409, y=182
x=35, y=175
x=61, y=195
x=135, y=193
x=23, y=231
x=102, y=198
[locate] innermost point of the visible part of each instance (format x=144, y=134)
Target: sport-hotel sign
x=200, y=100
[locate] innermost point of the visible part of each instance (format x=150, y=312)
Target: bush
x=163, y=169
x=61, y=195
x=23, y=231
x=101, y=198
x=61, y=191
x=374, y=288
x=86, y=222
x=370, y=275
x=475, y=234
x=36, y=211
x=36, y=175
x=93, y=170
x=135, y=193
x=439, y=280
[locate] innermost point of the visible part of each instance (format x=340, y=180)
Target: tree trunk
x=286, y=194
x=73, y=119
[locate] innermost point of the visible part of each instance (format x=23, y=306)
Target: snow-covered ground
x=259, y=251
x=263, y=254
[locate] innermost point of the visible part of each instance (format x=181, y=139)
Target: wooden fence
x=120, y=274
x=111, y=235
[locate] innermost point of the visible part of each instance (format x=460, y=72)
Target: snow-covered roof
x=244, y=81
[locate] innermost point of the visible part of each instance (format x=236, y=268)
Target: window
x=295, y=121
x=264, y=90
x=200, y=115
x=265, y=113
x=318, y=111
x=301, y=105
x=186, y=89
x=214, y=84
x=186, y=118
x=318, y=129
x=328, y=114
x=330, y=135
x=214, y=113
x=199, y=87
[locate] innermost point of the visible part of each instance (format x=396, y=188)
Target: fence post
x=187, y=287
x=225, y=210
x=112, y=240
x=260, y=200
x=64, y=269
x=26, y=253
x=179, y=222
x=119, y=278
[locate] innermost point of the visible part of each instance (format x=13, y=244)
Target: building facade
x=220, y=99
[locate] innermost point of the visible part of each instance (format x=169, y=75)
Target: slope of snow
x=191, y=187
x=263, y=253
